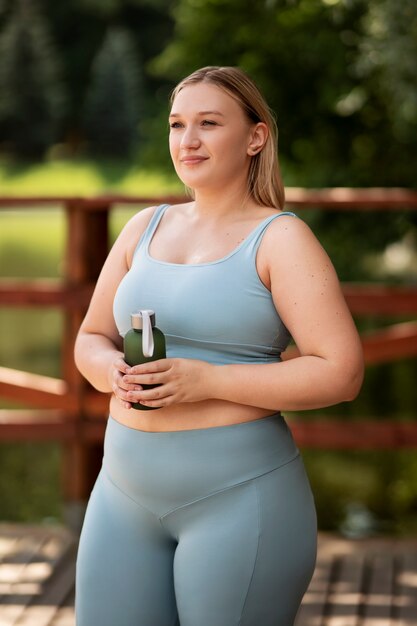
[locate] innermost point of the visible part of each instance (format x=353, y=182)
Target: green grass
x=83, y=177
x=32, y=241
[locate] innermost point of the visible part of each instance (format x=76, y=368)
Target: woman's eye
x=203, y=123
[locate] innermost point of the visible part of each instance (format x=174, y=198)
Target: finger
x=153, y=378
x=132, y=386
x=123, y=403
x=158, y=404
x=161, y=365
x=121, y=395
x=119, y=381
x=122, y=366
x=159, y=397
x=156, y=395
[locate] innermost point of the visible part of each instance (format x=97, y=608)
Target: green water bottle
x=144, y=342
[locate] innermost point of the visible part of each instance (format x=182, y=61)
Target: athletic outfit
x=210, y=526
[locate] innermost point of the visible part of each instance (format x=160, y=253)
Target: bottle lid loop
x=147, y=335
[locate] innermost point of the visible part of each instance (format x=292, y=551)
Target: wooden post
x=87, y=248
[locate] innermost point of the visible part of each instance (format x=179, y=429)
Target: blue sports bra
x=218, y=312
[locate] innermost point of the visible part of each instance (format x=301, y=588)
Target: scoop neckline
x=206, y=263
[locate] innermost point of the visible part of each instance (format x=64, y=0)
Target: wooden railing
x=70, y=411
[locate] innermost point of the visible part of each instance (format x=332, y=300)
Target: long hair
x=264, y=178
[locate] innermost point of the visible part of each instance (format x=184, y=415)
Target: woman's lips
x=193, y=160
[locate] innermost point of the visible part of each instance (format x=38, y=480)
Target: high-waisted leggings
x=205, y=527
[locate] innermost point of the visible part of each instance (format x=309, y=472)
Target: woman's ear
x=258, y=138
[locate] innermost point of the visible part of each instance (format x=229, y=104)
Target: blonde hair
x=264, y=178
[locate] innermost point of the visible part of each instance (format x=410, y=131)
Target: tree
x=385, y=67
x=294, y=52
x=113, y=99
x=32, y=95
x=79, y=28
x=339, y=74
x=388, y=53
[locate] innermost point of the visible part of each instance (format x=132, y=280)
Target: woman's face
x=210, y=139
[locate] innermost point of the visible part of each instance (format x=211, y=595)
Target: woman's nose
x=190, y=138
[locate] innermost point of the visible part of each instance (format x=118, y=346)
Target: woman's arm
x=308, y=297
x=98, y=347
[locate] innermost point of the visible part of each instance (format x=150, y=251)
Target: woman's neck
x=219, y=206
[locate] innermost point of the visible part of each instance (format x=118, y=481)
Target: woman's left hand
x=178, y=380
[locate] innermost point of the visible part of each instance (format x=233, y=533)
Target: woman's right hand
x=117, y=370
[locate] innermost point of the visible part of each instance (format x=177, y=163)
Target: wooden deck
x=371, y=582
x=37, y=567
x=357, y=583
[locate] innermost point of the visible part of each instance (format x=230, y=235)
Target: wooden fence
x=70, y=411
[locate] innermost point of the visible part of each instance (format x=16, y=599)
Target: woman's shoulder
x=286, y=224
x=290, y=237
x=134, y=228
x=138, y=223
x=141, y=218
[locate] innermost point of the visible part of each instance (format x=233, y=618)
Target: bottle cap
x=144, y=320
x=137, y=318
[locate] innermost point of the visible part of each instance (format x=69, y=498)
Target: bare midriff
x=187, y=416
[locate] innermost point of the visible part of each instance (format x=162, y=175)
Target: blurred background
x=84, y=88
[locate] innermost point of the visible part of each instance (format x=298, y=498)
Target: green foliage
x=114, y=7
x=340, y=76
x=380, y=481
x=294, y=52
x=32, y=99
x=80, y=27
x=103, y=7
x=351, y=237
x=388, y=54
x=113, y=101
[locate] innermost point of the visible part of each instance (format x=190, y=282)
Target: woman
x=202, y=514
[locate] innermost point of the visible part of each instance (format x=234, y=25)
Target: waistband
x=165, y=470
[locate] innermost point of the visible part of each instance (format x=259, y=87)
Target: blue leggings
x=205, y=527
